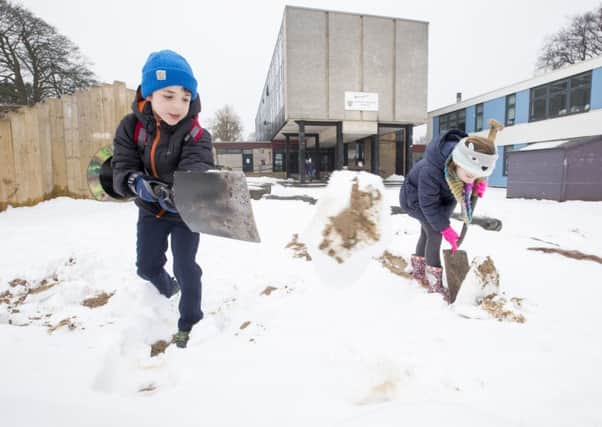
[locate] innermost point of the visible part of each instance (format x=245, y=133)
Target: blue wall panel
x=470, y=113
x=522, y=106
x=494, y=109
x=435, y=128
x=596, y=100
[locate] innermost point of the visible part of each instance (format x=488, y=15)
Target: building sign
x=361, y=101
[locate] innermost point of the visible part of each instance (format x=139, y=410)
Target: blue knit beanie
x=167, y=68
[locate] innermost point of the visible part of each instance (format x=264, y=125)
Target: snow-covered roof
x=564, y=143
x=544, y=145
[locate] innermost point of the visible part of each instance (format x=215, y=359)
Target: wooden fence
x=45, y=149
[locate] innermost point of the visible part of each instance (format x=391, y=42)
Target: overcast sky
x=474, y=45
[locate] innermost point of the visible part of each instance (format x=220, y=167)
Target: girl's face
x=465, y=176
x=170, y=104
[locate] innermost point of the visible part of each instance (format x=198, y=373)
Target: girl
x=455, y=167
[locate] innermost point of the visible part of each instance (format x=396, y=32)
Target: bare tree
x=226, y=125
x=578, y=41
x=36, y=62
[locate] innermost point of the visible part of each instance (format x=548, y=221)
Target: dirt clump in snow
x=98, y=300
x=489, y=275
x=498, y=307
x=395, y=264
x=65, y=322
x=354, y=225
x=569, y=254
x=299, y=248
x=159, y=347
x=268, y=290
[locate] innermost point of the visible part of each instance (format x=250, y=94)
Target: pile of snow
x=480, y=295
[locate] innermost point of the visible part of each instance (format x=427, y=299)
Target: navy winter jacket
x=425, y=194
x=159, y=157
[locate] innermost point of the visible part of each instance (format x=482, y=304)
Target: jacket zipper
x=154, y=163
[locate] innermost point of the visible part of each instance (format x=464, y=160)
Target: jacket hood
x=438, y=151
x=144, y=112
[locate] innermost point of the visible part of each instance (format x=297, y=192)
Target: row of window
x=556, y=99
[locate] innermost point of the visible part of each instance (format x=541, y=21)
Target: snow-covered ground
x=378, y=352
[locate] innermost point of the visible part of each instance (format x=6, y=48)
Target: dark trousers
x=150, y=261
x=429, y=244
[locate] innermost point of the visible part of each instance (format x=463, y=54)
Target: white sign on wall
x=361, y=101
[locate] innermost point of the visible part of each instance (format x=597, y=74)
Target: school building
x=343, y=90
x=561, y=105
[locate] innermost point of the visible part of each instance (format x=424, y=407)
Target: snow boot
x=181, y=338
x=418, y=265
x=434, y=276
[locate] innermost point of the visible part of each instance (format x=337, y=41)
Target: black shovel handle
x=162, y=190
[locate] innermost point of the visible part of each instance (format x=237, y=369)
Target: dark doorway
x=247, y=161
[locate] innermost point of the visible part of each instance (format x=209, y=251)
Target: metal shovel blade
x=456, y=268
x=456, y=263
x=216, y=203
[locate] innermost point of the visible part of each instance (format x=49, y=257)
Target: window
x=507, y=149
x=478, y=118
x=278, y=162
x=558, y=97
x=581, y=88
x=562, y=97
x=453, y=120
x=539, y=97
x=510, y=109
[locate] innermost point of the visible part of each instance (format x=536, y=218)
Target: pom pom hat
x=167, y=68
x=478, y=164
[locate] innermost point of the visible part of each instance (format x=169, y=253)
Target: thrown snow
x=382, y=352
x=349, y=227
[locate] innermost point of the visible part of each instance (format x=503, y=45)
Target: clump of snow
x=350, y=226
x=480, y=294
x=481, y=280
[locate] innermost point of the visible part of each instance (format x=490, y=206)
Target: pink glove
x=452, y=237
x=480, y=187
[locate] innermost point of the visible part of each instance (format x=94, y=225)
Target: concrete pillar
x=286, y=159
x=339, y=148
x=317, y=158
x=409, y=141
x=301, y=159
x=399, y=153
x=375, y=154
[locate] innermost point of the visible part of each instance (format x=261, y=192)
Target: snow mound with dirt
x=351, y=225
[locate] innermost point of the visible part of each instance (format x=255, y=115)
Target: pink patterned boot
x=418, y=264
x=434, y=276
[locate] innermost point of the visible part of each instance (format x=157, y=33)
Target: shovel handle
x=473, y=202
x=162, y=190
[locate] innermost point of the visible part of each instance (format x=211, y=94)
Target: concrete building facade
x=339, y=84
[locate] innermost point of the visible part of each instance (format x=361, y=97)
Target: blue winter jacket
x=425, y=194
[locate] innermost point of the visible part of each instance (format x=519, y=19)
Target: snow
x=377, y=352
x=544, y=145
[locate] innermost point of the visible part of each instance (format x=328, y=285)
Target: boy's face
x=171, y=103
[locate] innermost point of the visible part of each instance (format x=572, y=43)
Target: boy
x=160, y=136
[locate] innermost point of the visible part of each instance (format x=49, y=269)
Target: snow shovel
x=456, y=263
x=216, y=203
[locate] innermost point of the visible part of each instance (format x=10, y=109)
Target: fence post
x=8, y=184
